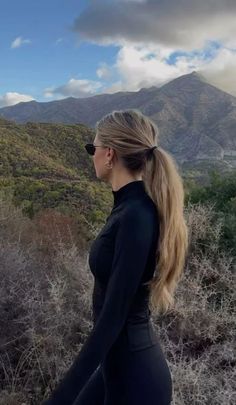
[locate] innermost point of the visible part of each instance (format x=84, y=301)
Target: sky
x=55, y=49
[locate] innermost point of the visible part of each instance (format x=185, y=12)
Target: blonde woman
x=137, y=260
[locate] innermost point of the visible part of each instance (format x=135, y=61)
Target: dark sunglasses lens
x=90, y=149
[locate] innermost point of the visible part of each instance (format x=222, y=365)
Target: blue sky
x=53, y=56
x=54, y=49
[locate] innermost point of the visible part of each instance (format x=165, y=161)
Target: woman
x=137, y=260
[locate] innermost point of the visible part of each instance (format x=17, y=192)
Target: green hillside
x=43, y=149
x=46, y=166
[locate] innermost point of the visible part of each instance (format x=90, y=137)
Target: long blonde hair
x=131, y=134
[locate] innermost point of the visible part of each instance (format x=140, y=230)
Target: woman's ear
x=110, y=153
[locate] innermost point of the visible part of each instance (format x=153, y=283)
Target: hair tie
x=154, y=147
x=150, y=150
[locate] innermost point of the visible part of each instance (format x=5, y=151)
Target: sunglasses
x=91, y=148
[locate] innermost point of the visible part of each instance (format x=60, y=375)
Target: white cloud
x=74, y=88
x=12, y=98
x=200, y=34
x=19, y=41
x=221, y=70
x=138, y=67
x=104, y=71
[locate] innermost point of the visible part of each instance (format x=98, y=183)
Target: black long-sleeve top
x=121, y=258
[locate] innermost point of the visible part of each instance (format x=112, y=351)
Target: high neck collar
x=131, y=189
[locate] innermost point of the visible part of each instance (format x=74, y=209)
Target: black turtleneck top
x=121, y=258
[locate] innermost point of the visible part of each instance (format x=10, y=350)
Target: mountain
x=196, y=121
x=76, y=110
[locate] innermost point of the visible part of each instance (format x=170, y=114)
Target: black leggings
x=135, y=372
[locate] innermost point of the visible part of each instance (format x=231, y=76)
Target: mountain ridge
x=196, y=120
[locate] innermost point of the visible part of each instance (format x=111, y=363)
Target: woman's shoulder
x=141, y=210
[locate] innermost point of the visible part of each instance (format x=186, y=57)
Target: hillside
x=47, y=166
x=197, y=121
x=44, y=149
